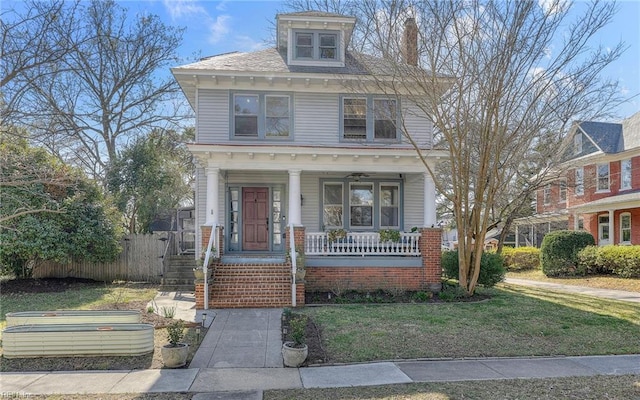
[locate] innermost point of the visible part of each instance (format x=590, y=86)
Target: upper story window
x=261, y=115
x=369, y=119
x=579, y=183
x=603, y=177
x=316, y=45
x=625, y=174
x=577, y=143
x=562, y=191
x=546, y=194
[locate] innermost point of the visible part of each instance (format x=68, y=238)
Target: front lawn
x=516, y=321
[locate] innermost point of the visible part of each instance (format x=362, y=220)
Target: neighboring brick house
x=600, y=189
x=285, y=143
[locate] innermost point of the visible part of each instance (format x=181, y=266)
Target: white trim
x=625, y=214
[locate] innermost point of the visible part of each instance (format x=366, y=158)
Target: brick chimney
x=410, y=42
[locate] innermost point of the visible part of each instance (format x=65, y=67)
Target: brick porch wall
x=200, y=293
x=322, y=279
x=431, y=249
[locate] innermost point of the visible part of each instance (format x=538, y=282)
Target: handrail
x=170, y=241
x=213, y=240
x=294, y=269
x=362, y=244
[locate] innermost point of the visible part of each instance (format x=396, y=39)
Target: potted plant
x=295, y=351
x=336, y=234
x=174, y=354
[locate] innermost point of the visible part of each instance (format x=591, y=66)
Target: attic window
x=313, y=45
x=577, y=143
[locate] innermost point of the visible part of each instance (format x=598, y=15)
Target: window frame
x=577, y=143
x=352, y=205
x=261, y=117
x=562, y=191
x=579, y=183
x=316, y=48
x=546, y=194
x=601, y=225
x=323, y=204
x=370, y=134
x=624, y=175
x=396, y=206
x=598, y=177
x=623, y=228
x=346, y=203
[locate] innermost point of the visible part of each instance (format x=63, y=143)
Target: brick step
x=250, y=303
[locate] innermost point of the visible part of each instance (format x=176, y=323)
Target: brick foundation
x=337, y=278
x=199, y=283
x=431, y=249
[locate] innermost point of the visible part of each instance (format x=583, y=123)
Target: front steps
x=179, y=274
x=251, y=285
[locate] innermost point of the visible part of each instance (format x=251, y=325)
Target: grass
x=598, y=281
x=516, y=321
x=579, y=388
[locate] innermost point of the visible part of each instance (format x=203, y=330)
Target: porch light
x=301, y=200
x=204, y=319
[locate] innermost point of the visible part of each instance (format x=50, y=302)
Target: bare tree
x=110, y=86
x=501, y=82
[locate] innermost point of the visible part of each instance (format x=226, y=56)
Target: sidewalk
x=248, y=383
x=603, y=293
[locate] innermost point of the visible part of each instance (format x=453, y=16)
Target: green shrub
x=559, y=252
x=623, y=261
x=491, y=267
x=588, y=261
x=521, y=258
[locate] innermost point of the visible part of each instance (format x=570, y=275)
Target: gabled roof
x=607, y=136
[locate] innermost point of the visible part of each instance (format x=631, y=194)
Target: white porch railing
x=361, y=244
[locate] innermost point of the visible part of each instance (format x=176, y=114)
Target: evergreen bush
x=521, y=258
x=559, y=252
x=491, y=267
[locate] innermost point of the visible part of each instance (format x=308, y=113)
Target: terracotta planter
x=300, y=274
x=175, y=356
x=294, y=356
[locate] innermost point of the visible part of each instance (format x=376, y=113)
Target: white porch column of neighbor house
x=212, y=174
x=429, y=201
x=295, y=209
x=576, y=222
x=612, y=228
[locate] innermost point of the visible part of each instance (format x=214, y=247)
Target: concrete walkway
x=239, y=358
x=603, y=293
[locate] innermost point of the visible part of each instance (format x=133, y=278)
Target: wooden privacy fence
x=140, y=261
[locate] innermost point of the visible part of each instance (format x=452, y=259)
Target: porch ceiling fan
x=357, y=175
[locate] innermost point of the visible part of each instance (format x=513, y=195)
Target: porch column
x=295, y=209
x=576, y=222
x=429, y=201
x=211, y=210
x=612, y=228
x=517, y=233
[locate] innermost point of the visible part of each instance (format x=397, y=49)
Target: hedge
x=491, y=267
x=521, y=258
x=559, y=252
x=623, y=261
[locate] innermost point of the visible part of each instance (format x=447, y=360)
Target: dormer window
x=316, y=46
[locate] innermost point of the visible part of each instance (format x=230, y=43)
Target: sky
x=216, y=27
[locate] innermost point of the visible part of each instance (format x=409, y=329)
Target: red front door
x=255, y=218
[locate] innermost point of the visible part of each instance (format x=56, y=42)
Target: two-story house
x=292, y=151
x=600, y=186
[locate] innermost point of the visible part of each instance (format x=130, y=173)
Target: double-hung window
x=389, y=205
x=579, y=183
x=369, y=119
x=332, y=205
x=603, y=177
x=361, y=205
x=546, y=194
x=259, y=115
x=562, y=191
x=625, y=174
x=625, y=228
x=313, y=45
